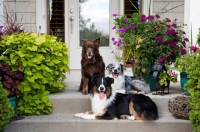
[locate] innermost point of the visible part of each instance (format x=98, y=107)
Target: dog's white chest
x=98, y=105
x=118, y=83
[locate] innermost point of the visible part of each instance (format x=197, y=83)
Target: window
x=56, y=23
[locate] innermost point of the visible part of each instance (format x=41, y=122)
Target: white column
x=194, y=18
x=41, y=16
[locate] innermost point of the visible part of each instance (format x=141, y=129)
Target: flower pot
x=12, y=101
x=150, y=79
x=183, y=81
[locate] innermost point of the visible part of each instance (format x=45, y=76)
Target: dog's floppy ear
x=122, y=66
x=83, y=41
x=97, y=42
x=109, y=66
x=94, y=79
x=109, y=80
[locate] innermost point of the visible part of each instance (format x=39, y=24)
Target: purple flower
x=194, y=48
x=160, y=61
x=184, y=32
x=143, y=18
x=171, y=54
x=115, y=42
x=157, y=16
x=168, y=20
x=114, y=15
x=186, y=40
x=1, y=27
x=113, y=39
x=183, y=51
x=164, y=58
x=119, y=42
x=133, y=26
x=168, y=25
x=114, y=28
x=174, y=25
x=159, y=38
x=132, y=62
x=173, y=74
x=121, y=30
x=168, y=32
x=112, y=51
x=151, y=17
x=125, y=20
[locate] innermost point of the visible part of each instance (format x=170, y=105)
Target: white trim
x=187, y=28
x=1, y=13
x=41, y=16
x=121, y=8
x=66, y=21
x=145, y=7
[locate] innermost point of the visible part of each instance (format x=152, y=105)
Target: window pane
x=94, y=20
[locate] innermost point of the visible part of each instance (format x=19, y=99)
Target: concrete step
x=68, y=123
x=69, y=102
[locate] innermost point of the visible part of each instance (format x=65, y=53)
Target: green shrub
x=6, y=111
x=43, y=60
x=193, y=86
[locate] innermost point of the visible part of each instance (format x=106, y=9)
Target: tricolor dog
x=107, y=104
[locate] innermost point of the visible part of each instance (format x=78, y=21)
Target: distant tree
x=91, y=32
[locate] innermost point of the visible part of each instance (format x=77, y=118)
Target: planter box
x=12, y=101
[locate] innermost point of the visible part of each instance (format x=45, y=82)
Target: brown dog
x=91, y=64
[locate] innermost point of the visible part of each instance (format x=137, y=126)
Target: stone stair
x=69, y=102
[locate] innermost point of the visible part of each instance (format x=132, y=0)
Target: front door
x=89, y=19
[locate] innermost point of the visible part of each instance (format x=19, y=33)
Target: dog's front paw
x=131, y=117
x=88, y=117
x=124, y=117
x=79, y=115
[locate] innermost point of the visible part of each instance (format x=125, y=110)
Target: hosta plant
x=44, y=62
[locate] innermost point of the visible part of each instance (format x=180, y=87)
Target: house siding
x=176, y=13
x=25, y=12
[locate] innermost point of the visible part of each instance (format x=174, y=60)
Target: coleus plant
x=10, y=79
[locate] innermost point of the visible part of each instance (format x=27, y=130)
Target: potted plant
x=148, y=40
x=185, y=61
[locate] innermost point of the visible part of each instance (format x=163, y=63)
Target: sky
x=98, y=13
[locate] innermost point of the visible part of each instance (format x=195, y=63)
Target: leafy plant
x=43, y=61
x=167, y=75
x=147, y=40
x=6, y=111
x=193, y=84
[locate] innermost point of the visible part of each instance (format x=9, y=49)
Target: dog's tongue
x=89, y=56
x=101, y=95
x=115, y=75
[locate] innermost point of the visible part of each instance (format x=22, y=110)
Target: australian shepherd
x=124, y=82
x=107, y=104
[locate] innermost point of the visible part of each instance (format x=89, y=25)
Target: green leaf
x=21, y=54
x=36, y=85
x=40, y=40
x=38, y=75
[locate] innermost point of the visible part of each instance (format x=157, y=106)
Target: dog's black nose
x=101, y=88
x=115, y=70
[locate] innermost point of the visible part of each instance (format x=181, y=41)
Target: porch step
x=69, y=102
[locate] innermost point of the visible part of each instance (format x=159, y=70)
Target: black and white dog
x=107, y=104
x=124, y=82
